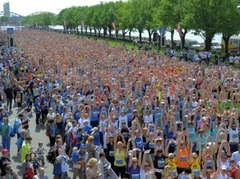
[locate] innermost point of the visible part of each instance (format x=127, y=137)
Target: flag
x=65, y=24
x=83, y=26
x=179, y=30
x=114, y=25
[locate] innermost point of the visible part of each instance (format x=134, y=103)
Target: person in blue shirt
x=94, y=117
x=97, y=136
x=86, y=127
x=76, y=162
x=138, y=141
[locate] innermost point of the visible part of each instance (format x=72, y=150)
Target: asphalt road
x=37, y=134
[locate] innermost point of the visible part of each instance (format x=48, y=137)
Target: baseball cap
x=75, y=148
x=83, y=146
x=224, y=167
x=4, y=151
x=85, y=121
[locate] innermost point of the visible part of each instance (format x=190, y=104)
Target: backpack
x=51, y=157
x=28, y=174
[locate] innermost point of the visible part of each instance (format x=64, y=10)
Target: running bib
x=174, y=173
x=119, y=161
x=235, y=136
x=139, y=144
x=111, y=153
x=125, y=134
x=151, y=145
x=183, y=158
x=196, y=173
x=135, y=176
x=161, y=163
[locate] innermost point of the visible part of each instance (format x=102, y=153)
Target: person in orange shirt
x=182, y=156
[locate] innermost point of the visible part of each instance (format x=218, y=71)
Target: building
x=6, y=9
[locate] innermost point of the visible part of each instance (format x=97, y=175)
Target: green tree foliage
x=206, y=17
x=230, y=22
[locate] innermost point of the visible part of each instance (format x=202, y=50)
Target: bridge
x=12, y=14
x=40, y=12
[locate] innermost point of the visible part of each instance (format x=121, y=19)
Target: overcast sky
x=26, y=7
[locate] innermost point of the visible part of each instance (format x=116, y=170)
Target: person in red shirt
x=233, y=170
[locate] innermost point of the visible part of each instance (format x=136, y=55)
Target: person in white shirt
x=233, y=131
x=122, y=118
x=51, y=115
x=63, y=159
x=104, y=166
x=221, y=173
x=236, y=155
x=41, y=174
x=85, y=118
x=231, y=60
x=148, y=117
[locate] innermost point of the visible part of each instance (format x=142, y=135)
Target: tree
x=207, y=14
x=173, y=12
x=152, y=23
x=230, y=22
x=139, y=18
x=123, y=18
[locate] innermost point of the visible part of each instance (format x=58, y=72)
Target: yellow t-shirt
x=119, y=157
x=195, y=167
x=171, y=167
x=25, y=150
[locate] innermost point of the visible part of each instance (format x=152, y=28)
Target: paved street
x=38, y=134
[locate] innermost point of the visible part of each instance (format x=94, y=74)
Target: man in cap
x=4, y=160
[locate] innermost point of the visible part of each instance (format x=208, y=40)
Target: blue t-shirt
x=134, y=172
x=87, y=129
x=96, y=136
x=75, y=156
x=139, y=143
x=94, y=115
x=76, y=115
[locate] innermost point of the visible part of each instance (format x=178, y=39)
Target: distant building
x=6, y=9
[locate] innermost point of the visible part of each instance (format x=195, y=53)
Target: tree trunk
x=208, y=42
x=105, y=31
x=130, y=32
x=90, y=31
x=183, y=38
x=81, y=31
x=99, y=33
x=116, y=31
x=95, y=32
x=226, y=41
x=140, y=36
x=86, y=31
x=123, y=34
x=149, y=36
x=110, y=33
x=172, y=33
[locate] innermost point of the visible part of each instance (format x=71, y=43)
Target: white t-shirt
x=233, y=135
x=236, y=157
x=51, y=116
x=148, y=119
x=121, y=119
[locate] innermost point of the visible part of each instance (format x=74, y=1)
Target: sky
x=26, y=7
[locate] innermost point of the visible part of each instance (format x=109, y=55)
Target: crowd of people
x=145, y=115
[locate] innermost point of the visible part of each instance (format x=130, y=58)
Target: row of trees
x=205, y=17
